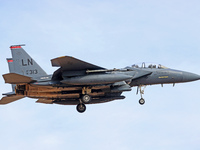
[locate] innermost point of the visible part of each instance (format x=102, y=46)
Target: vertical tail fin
x=23, y=64
x=11, y=70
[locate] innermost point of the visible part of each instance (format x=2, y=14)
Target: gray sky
x=111, y=34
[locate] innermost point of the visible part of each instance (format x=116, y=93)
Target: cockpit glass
x=148, y=65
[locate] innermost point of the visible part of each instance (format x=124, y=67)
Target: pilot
x=150, y=66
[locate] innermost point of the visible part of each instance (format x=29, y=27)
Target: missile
x=94, y=79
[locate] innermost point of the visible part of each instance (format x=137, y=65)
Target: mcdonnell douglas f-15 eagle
x=78, y=83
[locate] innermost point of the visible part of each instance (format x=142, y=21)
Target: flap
x=9, y=99
x=14, y=78
x=72, y=64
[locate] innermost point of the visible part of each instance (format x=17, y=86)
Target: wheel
x=86, y=98
x=141, y=101
x=81, y=108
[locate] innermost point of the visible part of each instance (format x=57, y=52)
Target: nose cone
x=187, y=77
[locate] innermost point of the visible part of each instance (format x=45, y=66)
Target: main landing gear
x=85, y=99
x=81, y=107
x=141, y=101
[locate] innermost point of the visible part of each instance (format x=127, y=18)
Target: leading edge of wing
x=72, y=64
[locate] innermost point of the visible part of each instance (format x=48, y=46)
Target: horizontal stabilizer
x=14, y=78
x=9, y=99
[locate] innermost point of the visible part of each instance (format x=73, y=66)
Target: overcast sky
x=111, y=34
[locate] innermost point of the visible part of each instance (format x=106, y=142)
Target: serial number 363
x=32, y=71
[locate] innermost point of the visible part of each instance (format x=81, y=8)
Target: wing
x=68, y=63
x=9, y=99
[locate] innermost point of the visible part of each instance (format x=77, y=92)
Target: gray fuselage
x=163, y=76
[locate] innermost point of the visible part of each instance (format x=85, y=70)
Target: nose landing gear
x=141, y=101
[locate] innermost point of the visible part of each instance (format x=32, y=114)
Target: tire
x=86, y=99
x=141, y=101
x=81, y=108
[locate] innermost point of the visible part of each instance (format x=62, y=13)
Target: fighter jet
x=77, y=82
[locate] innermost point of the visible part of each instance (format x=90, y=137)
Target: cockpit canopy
x=148, y=65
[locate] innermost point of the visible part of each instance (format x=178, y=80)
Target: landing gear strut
x=141, y=101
